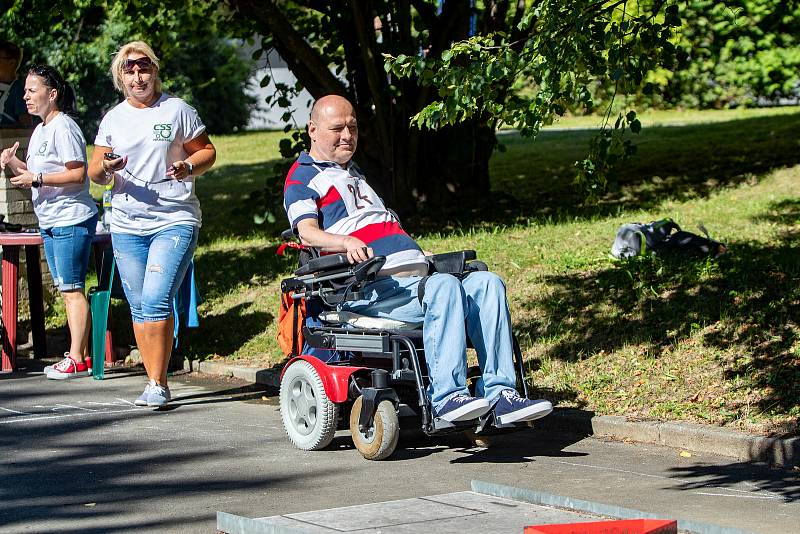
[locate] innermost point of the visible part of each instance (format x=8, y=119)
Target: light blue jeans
x=152, y=268
x=451, y=310
x=67, y=251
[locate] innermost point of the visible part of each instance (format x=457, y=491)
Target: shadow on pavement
x=782, y=483
x=102, y=479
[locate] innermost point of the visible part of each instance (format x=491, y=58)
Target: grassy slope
x=713, y=341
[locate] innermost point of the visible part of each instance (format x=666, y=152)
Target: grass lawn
x=714, y=341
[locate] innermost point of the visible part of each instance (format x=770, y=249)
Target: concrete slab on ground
x=464, y=512
x=488, y=508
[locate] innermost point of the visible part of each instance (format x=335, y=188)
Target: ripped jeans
x=152, y=267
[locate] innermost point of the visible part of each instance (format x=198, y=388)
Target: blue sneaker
x=463, y=408
x=141, y=400
x=158, y=395
x=511, y=408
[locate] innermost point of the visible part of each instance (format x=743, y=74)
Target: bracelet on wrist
x=37, y=180
x=191, y=167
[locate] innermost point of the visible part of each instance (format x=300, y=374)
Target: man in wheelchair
x=331, y=208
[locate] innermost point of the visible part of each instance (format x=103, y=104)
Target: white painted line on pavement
x=15, y=411
x=737, y=496
x=74, y=407
x=11, y=420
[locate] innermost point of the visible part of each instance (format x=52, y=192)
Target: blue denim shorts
x=152, y=268
x=67, y=251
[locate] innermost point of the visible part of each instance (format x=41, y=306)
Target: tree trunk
x=436, y=171
x=412, y=170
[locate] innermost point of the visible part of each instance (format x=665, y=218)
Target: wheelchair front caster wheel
x=482, y=441
x=309, y=417
x=379, y=441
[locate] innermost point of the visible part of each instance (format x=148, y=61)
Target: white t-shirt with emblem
x=51, y=147
x=145, y=199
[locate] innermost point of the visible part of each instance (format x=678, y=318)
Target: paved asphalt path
x=77, y=456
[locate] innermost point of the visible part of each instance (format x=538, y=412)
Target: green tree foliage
x=558, y=51
x=337, y=47
x=737, y=52
x=80, y=38
x=732, y=53
x=431, y=80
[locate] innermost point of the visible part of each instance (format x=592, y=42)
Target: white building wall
x=267, y=117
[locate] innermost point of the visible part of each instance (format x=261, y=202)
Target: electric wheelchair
x=364, y=373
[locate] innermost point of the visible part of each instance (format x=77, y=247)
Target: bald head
x=330, y=104
x=333, y=130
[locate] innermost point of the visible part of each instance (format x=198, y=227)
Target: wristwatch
x=37, y=180
x=191, y=167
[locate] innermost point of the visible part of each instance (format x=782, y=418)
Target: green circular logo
x=162, y=132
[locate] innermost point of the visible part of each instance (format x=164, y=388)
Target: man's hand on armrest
x=311, y=234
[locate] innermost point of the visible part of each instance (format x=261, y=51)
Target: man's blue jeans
x=451, y=309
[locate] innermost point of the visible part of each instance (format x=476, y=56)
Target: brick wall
x=16, y=206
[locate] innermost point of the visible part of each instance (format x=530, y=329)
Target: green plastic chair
x=99, y=302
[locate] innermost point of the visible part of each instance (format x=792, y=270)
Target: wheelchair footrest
x=440, y=426
x=488, y=425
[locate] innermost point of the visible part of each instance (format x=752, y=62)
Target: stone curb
x=689, y=436
x=680, y=435
x=265, y=377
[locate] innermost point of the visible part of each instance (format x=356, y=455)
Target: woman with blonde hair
x=153, y=146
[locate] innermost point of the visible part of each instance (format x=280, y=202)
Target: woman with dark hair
x=153, y=146
x=55, y=170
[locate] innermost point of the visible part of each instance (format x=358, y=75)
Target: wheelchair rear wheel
x=309, y=417
x=380, y=440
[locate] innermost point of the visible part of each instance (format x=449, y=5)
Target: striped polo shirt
x=343, y=203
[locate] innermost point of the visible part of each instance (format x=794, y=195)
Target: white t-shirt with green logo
x=145, y=199
x=51, y=147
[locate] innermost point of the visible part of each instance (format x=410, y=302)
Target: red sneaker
x=68, y=368
x=87, y=360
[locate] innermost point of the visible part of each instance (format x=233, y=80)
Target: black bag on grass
x=663, y=236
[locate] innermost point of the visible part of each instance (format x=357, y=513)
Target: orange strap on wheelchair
x=291, y=318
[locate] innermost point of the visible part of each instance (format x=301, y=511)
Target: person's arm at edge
x=311, y=234
x=14, y=164
x=74, y=174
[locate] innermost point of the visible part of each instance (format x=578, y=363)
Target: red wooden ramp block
x=627, y=526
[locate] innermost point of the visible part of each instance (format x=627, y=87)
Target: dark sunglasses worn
x=144, y=64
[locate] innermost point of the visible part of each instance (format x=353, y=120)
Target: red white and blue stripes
x=344, y=204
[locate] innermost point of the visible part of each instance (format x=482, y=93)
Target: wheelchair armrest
x=334, y=278
x=288, y=234
x=451, y=262
x=323, y=263
x=366, y=271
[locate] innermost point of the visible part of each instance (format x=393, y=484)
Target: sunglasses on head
x=144, y=64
